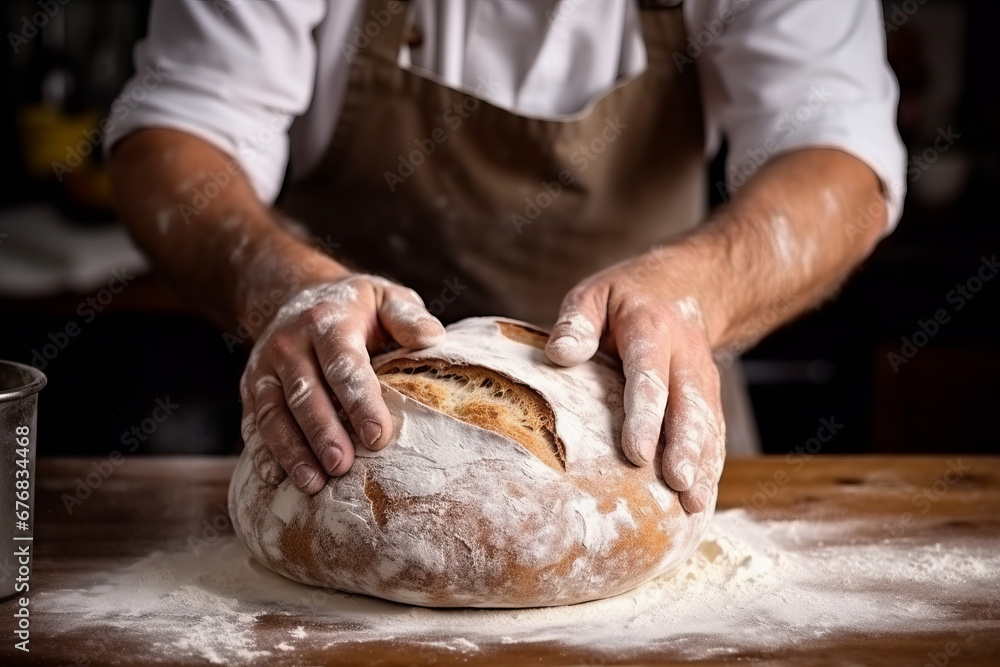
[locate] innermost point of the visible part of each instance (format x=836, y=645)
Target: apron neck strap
x=663, y=28
x=384, y=22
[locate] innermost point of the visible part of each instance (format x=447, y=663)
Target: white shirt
x=776, y=75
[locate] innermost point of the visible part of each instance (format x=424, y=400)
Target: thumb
x=577, y=333
x=404, y=316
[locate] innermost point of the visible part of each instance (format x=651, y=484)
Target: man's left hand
x=640, y=311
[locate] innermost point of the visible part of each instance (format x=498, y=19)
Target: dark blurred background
x=78, y=301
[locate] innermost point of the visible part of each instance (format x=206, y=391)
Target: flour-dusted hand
x=635, y=311
x=313, y=355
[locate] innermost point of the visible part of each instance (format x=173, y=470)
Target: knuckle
x=404, y=309
x=407, y=294
x=650, y=380
x=280, y=347
x=643, y=419
x=368, y=284
x=288, y=454
x=321, y=437
x=643, y=361
x=649, y=318
x=247, y=426
x=266, y=384
x=319, y=319
x=261, y=457
x=298, y=392
x=575, y=298
x=342, y=367
x=359, y=278
x=358, y=407
x=267, y=411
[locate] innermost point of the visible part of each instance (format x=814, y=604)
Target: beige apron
x=485, y=212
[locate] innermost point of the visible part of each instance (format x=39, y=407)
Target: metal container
x=19, y=387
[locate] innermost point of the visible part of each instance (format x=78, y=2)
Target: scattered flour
x=750, y=586
x=783, y=240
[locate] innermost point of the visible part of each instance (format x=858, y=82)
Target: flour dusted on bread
x=505, y=486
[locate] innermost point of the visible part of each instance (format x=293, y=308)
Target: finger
x=279, y=430
x=264, y=463
x=310, y=404
x=577, y=333
x=348, y=370
x=402, y=314
x=646, y=366
x=699, y=497
x=693, y=429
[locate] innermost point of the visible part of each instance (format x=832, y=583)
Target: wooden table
x=157, y=504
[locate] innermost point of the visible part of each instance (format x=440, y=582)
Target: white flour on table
x=751, y=585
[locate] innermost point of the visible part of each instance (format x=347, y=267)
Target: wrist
x=276, y=274
x=694, y=270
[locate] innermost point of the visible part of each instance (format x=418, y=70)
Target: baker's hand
x=313, y=356
x=635, y=311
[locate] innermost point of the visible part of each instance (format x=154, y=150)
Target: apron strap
x=662, y=31
x=385, y=22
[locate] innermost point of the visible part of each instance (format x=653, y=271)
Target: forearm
x=787, y=240
x=199, y=220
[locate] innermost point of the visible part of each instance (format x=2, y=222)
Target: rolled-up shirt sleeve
x=781, y=75
x=231, y=72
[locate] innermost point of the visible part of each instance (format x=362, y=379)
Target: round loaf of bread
x=505, y=486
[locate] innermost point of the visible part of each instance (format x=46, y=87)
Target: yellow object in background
x=58, y=146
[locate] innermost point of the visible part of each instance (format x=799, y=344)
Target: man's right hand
x=313, y=355
x=234, y=251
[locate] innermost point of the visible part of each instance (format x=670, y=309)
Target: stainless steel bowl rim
x=37, y=383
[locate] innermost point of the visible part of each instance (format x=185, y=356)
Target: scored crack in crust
x=483, y=398
x=523, y=334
